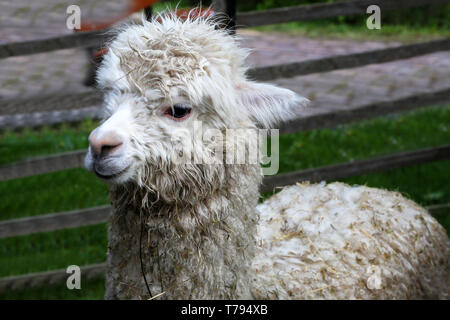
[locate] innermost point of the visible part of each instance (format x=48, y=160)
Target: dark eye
x=178, y=111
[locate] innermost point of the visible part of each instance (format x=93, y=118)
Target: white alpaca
x=205, y=236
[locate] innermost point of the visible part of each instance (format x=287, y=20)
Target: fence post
x=226, y=11
x=148, y=13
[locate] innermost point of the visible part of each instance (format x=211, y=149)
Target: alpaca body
x=340, y=242
x=204, y=237
x=312, y=242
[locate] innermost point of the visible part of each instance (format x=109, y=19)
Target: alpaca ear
x=269, y=105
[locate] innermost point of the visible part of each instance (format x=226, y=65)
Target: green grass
x=30, y=143
x=49, y=193
x=405, y=24
x=53, y=250
x=92, y=290
x=76, y=188
x=406, y=131
x=343, y=31
x=419, y=129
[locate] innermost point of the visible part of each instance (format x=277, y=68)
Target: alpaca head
x=164, y=82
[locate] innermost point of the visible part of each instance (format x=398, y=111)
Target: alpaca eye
x=178, y=111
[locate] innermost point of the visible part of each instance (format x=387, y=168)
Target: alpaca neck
x=189, y=251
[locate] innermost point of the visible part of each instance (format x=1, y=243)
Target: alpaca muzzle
x=103, y=144
x=106, y=155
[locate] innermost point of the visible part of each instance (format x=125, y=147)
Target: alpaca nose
x=104, y=144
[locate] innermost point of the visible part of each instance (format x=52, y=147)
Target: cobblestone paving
x=343, y=89
x=63, y=71
x=22, y=20
x=57, y=71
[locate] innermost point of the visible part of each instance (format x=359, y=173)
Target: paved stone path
x=58, y=71
x=62, y=72
x=343, y=89
x=22, y=20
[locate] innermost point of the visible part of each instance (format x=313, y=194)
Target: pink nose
x=105, y=143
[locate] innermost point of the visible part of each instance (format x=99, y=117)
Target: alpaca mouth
x=110, y=176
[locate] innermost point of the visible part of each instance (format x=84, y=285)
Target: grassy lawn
x=77, y=188
x=342, y=31
x=53, y=250
x=92, y=290
x=31, y=143
x=50, y=193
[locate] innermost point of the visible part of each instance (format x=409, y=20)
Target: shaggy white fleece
x=204, y=237
x=340, y=242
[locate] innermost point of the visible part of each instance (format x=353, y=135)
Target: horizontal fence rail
x=54, y=277
x=52, y=222
x=371, y=110
x=439, y=209
x=38, y=119
x=78, y=218
x=49, y=110
x=67, y=101
x=350, y=169
x=323, y=10
x=347, y=61
x=75, y=40
x=75, y=159
x=39, y=165
x=247, y=19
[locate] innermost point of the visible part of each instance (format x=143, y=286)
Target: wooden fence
x=76, y=107
x=56, y=109
x=243, y=20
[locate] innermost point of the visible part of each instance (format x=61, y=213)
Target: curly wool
x=204, y=235
x=334, y=241
x=191, y=251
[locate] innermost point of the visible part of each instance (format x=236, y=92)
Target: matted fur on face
x=162, y=80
